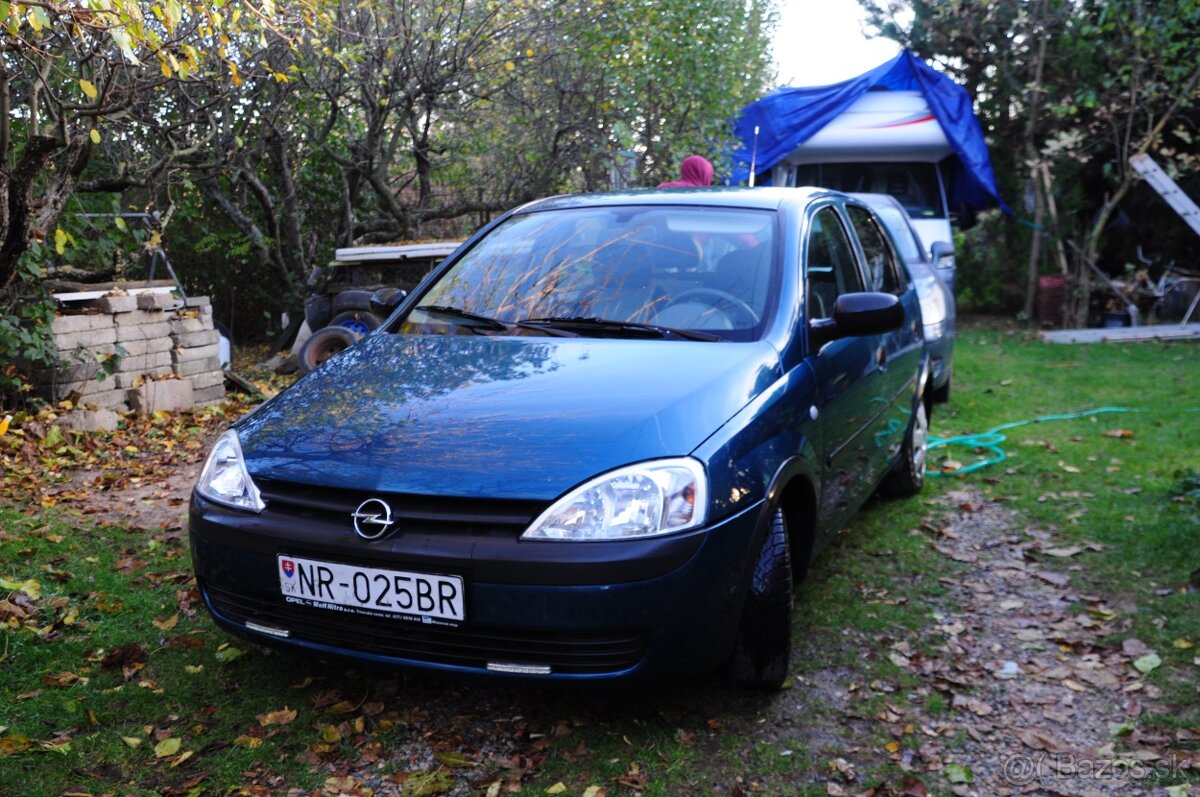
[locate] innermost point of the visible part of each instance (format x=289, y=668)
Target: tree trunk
x=1033, y=156
x=15, y=191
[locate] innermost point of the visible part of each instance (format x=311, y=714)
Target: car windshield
x=645, y=271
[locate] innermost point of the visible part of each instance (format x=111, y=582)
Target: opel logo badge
x=372, y=519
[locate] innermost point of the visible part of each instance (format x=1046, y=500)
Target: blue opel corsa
x=601, y=441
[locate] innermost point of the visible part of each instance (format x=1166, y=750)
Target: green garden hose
x=991, y=439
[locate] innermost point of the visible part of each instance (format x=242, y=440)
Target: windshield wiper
x=477, y=321
x=629, y=328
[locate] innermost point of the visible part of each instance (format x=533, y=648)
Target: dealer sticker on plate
x=368, y=590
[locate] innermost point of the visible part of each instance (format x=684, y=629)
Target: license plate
x=368, y=590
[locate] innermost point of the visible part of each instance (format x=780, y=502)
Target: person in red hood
x=696, y=172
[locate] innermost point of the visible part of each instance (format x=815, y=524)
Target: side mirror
x=385, y=300
x=856, y=314
x=942, y=254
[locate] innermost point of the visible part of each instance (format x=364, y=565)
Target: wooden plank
x=1123, y=334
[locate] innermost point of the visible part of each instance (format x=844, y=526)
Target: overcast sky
x=821, y=41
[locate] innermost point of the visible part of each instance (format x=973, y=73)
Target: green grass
x=103, y=588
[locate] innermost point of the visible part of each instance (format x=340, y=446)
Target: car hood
x=504, y=417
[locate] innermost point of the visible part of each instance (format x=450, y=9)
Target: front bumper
x=633, y=611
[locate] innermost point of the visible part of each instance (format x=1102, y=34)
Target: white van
x=886, y=142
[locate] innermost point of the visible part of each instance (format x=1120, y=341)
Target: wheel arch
x=794, y=490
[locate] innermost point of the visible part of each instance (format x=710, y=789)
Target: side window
x=882, y=272
x=832, y=267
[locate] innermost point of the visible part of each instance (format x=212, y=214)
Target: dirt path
x=1022, y=690
x=1031, y=695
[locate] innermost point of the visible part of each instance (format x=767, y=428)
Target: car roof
x=764, y=198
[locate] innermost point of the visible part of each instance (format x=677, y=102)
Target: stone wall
x=154, y=354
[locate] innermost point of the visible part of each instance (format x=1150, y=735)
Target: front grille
x=416, y=512
x=564, y=653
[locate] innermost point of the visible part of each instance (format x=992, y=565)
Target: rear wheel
x=764, y=637
x=908, y=474
x=942, y=394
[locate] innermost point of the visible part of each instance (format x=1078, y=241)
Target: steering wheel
x=719, y=300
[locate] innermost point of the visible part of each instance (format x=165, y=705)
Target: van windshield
x=915, y=185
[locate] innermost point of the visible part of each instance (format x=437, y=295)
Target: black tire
x=360, y=321
x=323, y=344
x=764, y=637
x=942, y=394
x=907, y=476
x=351, y=300
x=317, y=311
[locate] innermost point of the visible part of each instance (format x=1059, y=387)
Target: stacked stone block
x=169, y=359
x=196, y=355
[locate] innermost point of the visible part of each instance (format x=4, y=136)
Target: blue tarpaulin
x=787, y=117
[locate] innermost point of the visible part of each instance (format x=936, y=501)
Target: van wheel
x=323, y=344
x=908, y=474
x=764, y=637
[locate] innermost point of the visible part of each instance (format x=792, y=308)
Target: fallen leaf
x=168, y=747
x=1182, y=644
x=283, y=716
x=1057, y=579
x=227, y=654
x=454, y=759
x=557, y=788
x=959, y=773
x=1134, y=648
x=124, y=656
x=1148, y=663
x=166, y=624
x=131, y=741
x=63, y=679
x=14, y=743
x=1119, y=433
x=428, y=784
x=1063, y=553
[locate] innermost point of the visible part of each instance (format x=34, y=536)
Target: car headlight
x=644, y=500
x=225, y=479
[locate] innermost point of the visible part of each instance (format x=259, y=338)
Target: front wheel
x=908, y=474
x=764, y=637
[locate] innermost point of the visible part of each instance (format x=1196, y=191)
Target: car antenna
x=753, y=155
